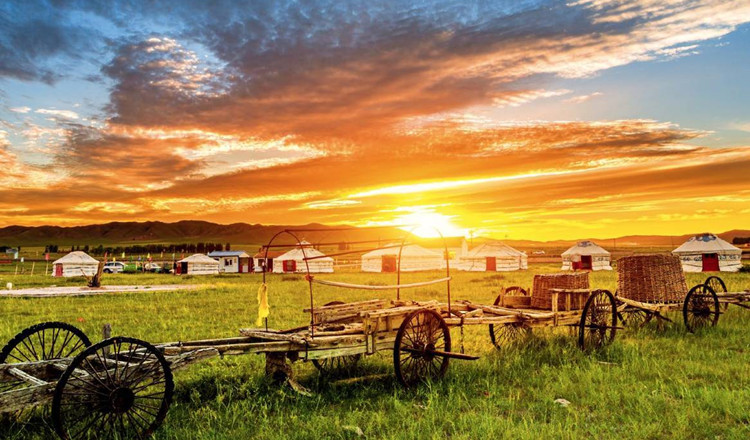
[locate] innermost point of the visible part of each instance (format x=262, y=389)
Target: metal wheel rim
x=43, y=341
x=128, y=400
x=598, y=321
x=420, y=329
x=701, y=308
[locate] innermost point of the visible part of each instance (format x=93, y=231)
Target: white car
x=114, y=267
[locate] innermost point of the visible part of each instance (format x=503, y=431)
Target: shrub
x=745, y=268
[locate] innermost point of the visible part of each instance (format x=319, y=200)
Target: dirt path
x=50, y=292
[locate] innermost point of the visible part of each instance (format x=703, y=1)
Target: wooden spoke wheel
x=717, y=284
x=598, y=321
x=119, y=388
x=636, y=318
x=506, y=335
x=416, y=352
x=40, y=342
x=701, y=308
x=337, y=366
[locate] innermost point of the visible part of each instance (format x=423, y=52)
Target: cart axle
x=448, y=354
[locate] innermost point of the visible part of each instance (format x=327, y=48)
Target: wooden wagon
x=652, y=285
x=122, y=387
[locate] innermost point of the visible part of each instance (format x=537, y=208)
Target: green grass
x=651, y=383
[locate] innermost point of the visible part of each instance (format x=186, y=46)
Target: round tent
x=197, y=264
x=586, y=255
x=493, y=257
x=413, y=258
x=75, y=264
x=709, y=253
x=293, y=261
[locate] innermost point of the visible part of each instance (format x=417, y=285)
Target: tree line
x=741, y=240
x=184, y=248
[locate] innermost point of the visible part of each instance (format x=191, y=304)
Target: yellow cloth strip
x=263, y=309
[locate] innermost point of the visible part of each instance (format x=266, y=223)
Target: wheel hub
x=121, y=400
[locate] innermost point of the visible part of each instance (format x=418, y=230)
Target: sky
x=509, y=119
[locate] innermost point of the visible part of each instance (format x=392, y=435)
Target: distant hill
x=187, y=231
x=193, y=231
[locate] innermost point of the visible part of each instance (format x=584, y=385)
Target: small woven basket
x=541, y=296
x=651, y=278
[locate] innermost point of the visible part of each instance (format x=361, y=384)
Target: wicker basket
x=651, y=278
x=541, y=296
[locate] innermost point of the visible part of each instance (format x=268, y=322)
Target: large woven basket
x=541, y=296
x=651, y=278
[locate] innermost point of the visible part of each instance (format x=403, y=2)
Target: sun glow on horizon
x=430, y=225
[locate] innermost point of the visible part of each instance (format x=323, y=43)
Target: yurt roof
x=410, y=250
x=706, y=243
x=271, y=254
x=241, y=254
x=199, y=258
x=586, y=248
x=493, y=248
x=76, y=257
x=297, y=254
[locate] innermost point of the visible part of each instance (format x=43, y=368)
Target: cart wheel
x=598, y=321
x=119, y=388
x=636, y=318
x=40, y=342
x=718, y=285
x=701, y=308
x=44, y=341
x=421, y=332
x=506, y=335
x=337, y=366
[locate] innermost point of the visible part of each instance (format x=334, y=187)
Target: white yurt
x=709, y=253
x=586, y=255
x=75, y=264
x=197, y=264
x=413, y=258
x=293, y=261
x=493, y=257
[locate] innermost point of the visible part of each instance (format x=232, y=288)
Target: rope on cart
x=367, y=287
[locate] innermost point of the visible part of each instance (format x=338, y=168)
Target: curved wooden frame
x=309, y=277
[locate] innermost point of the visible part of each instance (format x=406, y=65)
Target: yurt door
x=491, y=264
x=388, y=263
x=58, y=270
x=586, y=262
x=183, y=268
x=289, y=265
x=710, y=262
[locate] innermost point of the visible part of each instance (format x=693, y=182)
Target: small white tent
x=198, y=264
x=294, y=260
x=709, y=253
x=586, y=255
x=413, y=258
x=493, y=257
x=75, y=264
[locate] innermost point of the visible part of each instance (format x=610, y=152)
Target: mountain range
x=192, y=231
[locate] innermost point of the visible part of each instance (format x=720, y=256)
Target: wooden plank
x=659, y=307
x=29, y=379
x=17, y=400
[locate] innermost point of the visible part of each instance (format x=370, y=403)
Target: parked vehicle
x=114, y=267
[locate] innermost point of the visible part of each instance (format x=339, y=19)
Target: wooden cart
x=652, y=285
x=118, y=388
x=122, y=387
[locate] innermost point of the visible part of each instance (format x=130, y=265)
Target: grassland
x=651, y=383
